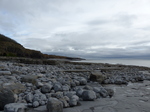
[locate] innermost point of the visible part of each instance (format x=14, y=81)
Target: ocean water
x=138, y=62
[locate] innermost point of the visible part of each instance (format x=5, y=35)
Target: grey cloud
x=124, y=19
x=76, y=28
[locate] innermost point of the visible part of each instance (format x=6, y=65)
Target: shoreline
x=65, y=81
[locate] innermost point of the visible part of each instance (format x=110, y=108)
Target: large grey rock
x=98, y=76
x=54, y=105
x=88, y=95
x=46, y=88
x=29, y=79
x=15, y=87
x=6, y=97
x=15, y=107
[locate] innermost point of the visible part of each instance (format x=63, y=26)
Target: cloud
x=98, y=28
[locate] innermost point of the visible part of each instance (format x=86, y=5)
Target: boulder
x=6, y=97
x=46, y=88
x=15, y=87
x=54, y=105
x=15, y=107
x=88, y=95
x=29, y=79
x=98, y=76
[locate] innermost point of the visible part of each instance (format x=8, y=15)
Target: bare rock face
x=54, y=105
x=6, y=97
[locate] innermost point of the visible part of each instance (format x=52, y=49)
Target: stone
x=29, y=97
x=79, y=92
x=54, y=105
x=5, y=73
x=82, y=81
x=73, y=100
x=46, y=88
x=57, y=87
x=39, y=84
x=6, y=97
x=15, y=107
x=64, y=102
x=15, y=87
x=103, y=92
x=87, y=87
x=96, y=89
x=35, y=104
x=88, y=95
x=65, y=87
x=98, y=76
x=110, y=92
x=29, y=79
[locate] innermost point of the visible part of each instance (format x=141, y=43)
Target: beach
x=73, y=86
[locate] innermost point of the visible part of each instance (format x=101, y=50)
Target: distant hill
x=11, y=48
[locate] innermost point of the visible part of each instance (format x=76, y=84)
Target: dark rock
x=6, y=97
x=88, y=95
x=98, y=76
x=29, y=79
x=46, y=88
x=54, y=105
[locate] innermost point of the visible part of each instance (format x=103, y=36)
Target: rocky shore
x=58, y=86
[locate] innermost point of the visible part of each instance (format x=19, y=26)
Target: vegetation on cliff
x=11, y=48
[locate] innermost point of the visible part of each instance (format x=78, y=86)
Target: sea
x=137, y=62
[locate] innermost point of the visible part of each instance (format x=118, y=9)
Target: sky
x=79, y=28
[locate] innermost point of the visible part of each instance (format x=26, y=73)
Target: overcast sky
x=79, y=28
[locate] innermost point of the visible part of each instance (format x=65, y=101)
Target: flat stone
x=15, y=107
x=5, y=73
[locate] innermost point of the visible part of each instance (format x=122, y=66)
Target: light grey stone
x=15, y=107
x=35, y=104
x=73, y=100
x=29, y=97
